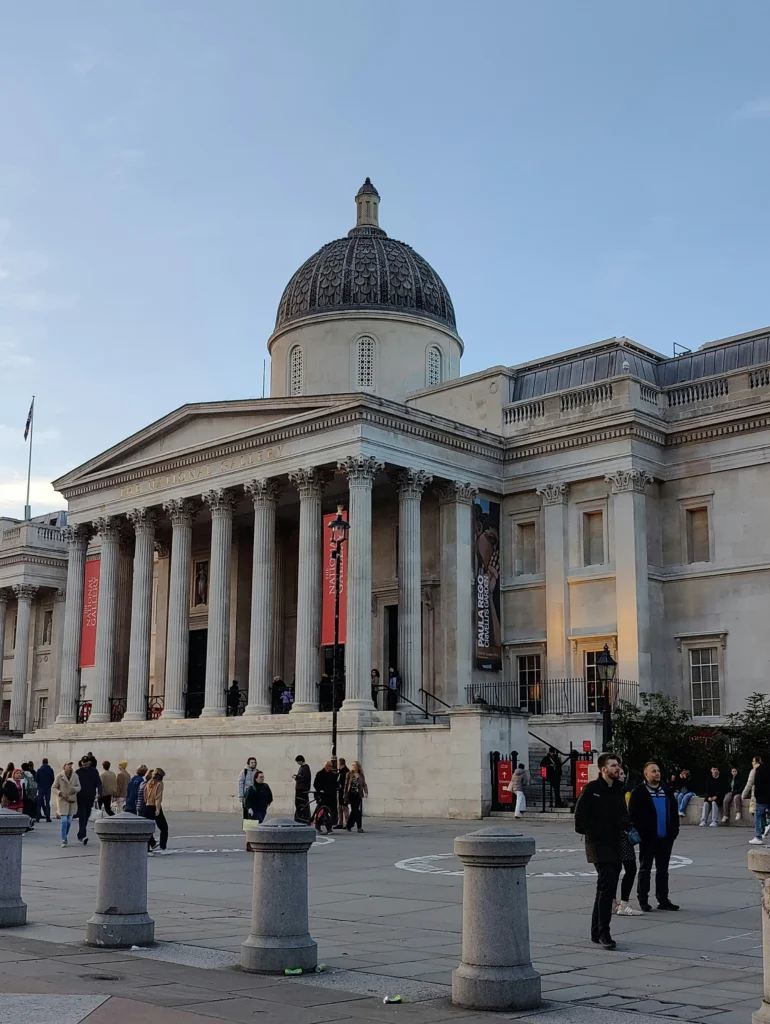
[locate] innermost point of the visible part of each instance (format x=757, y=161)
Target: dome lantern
x=367, y=210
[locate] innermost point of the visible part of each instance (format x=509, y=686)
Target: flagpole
x=28, y=507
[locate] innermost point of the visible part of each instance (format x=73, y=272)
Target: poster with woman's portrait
x=486, y=555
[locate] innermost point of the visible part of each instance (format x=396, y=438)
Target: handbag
x=633, y=836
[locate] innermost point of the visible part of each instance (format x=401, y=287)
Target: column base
x=271, y=954
x=496, y=988
x=118, y=931
x=65, y=720
x=98, y=719
x=213, y=713
x=257, y=709
x=171, y=713
x=131, y=716
x=13, y=913
x=304, y=708
x=762, y=1015
x=357, y=704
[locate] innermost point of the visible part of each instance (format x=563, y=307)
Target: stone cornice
x=22, y=558
x=626, y=430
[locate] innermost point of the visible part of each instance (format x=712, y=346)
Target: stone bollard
x=121, y=917
x=759, y=863
x=279, y=936
x=495, y=971
x=13, y=909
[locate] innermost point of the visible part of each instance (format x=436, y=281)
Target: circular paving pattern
x=433, y=864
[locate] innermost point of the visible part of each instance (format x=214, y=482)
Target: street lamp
x=339, y=527
x=606, y=667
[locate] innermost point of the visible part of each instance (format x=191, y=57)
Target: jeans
x=659, y=851
x=707, y=807
x=627, y=883
x=759, y=819
x=606, y=887
x=683, y=800
x=66, y=821
x=732, y=799
x=43, y=803
x=106, y=804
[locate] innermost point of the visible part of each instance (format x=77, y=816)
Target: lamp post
x=606, y=667
x=339, y=527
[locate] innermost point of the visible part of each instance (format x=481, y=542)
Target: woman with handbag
x=628, y=839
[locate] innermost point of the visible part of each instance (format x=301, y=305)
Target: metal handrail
x=401, y=697
x=546, y=742
x=438, y=700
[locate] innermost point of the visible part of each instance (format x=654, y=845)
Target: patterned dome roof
x=366, y=271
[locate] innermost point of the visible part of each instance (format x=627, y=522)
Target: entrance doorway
x=391, y=639
x=328, y=655
x=196, y=674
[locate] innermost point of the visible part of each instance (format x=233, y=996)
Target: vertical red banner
x=329, y=585
x=90, y=613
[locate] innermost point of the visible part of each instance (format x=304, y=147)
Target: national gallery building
x=503, y=528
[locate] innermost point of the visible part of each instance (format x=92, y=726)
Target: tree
x=749, y=731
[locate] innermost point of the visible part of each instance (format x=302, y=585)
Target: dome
x=366, y=271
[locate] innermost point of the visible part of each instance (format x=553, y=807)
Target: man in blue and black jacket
x=655, y=816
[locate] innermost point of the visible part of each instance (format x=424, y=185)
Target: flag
x=29, y=420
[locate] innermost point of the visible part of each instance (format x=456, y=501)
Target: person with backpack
x=246, y=778
x=45, y=779
x=29, y=789
x=355, y=791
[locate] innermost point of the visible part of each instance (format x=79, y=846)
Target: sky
x=573, y=172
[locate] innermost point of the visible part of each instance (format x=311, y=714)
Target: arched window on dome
x=365, y=354
x=296, y=382
x=433, y=369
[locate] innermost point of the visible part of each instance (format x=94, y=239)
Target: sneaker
x=756, y=841
x=645, y=905
x=64, y=842
x=608, y=943
x=626, y=910
x=766, y=832
x=668, y=905
x=701, y=824
x=360, y=830
x=738, y=817
x=163, y=852
x=724, y=818
x=714, y=824
x=518, y=815
x=681, y=814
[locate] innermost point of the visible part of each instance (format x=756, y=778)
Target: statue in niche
x=201, y=588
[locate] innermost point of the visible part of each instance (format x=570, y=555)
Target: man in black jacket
x=552, y=764
x=302, y=791
x=655, y=816
x=600, y=815
x=90, y=786
x=45, y=780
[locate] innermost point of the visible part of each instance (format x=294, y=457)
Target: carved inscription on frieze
x=203, y=472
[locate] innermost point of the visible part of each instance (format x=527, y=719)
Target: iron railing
x=117, y=709
x=83, y=712
x=554, y=696
x=154, y=706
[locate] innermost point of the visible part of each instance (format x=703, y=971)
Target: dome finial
x=367, y=203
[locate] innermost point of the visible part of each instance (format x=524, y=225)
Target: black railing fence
x=117, y=709
x=154, y=707
x=554, y=696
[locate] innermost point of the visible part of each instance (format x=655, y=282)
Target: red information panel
x=504, y=776
x=586, y=746
x=543, y=772
x=330, y=571
x=90, y=610
x=581, y=775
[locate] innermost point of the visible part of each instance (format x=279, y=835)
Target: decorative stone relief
x=24, y=592
x=77, y=536
x=360, y=468
x=309, y=482
x=181, y=511
x=412, y=482
x=142, y=518
x=553, y=494
x=629, y=480
x=455, y=490
x=108, y=528
x=263, y=492
x=220, y=501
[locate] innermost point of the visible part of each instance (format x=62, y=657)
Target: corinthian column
x=411, y=483
x=178, y=646
x=309, y=483
x=361, y=471
x=221, y=503
x=263, y=494
x=24, y=596
x=77, y=538
x=4, y=598
x=143, y=521
x=455, y=501
x=108, y=529
x=554, y=497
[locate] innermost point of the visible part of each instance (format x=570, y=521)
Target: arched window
x=295, y=371
x=365, y=364
x=434, y=366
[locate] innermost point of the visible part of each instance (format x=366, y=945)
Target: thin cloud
x=754, y=110
x=13, y=437
x=11, y=358
x=13, y=492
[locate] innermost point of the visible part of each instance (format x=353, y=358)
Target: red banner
x=90, y=611
x=329, y=586
x=581, y=776
x=504, y=776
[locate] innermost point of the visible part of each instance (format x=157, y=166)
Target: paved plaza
x=386, y=911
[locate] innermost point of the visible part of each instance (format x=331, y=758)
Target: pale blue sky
x=573, y=171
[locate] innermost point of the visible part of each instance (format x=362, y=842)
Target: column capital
x=142, y=518
x=162, y=548
x=181, y=511
x=24, y=592
x=629, y=480
x=456, y=491
x=220, y=500
x=5, y=596
x=108, y=527
x=263, y=492
x=60, y=595
x=553, y=494
x=412, y=482
x=360, y=468
x=309, y=482
x=77, y=536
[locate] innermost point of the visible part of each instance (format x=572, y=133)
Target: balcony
x=554, y=696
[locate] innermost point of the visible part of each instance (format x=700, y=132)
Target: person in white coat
x=516, y=786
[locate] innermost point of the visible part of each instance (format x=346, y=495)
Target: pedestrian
x=91, y=758
x=29, y=791
x=109, y=789
x=13, y=791
x=132, y=791
x=8, y=773
x=516, y=786
x=287, y=699
x=325, y=789
x=276, y=690
x=375, y=687
x=90, y=788
x=234, y=699
x=355, y=792
x=655, y=816
x=258, y=798
x=342, y=801
x=760, y=787
x=684, y=790
x=732, y=797
x=153, y=808
x=552, y=764
x=715, y=791
x=628, y=839
x=246, y=777
x=394, y=688
x=302, y=791
x=45, y=779
x=123, y=779
x=325, y=693
x=600, y=816
x=66, y=786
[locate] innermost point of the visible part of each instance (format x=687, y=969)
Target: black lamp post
x=606, y=667
x=339, y=534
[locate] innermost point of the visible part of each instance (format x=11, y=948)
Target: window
x=529, y=679
x=41, y=719
x=525, y=549
x=697, y=534
x=295, y=371
x=593, y=538
x=596, y=696
x=704, y=680
x=365, y=364
x=434, y=366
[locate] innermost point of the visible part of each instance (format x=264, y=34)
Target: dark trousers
x=159, y=818
x=356, y=811
x=302, y=807
x=30, y=809
x=627, y=882
x=555, y=784
x=606, y=887
x=106, y=802
x=85, y=803
x=392, y=699
x=43, y=804
x=659, y=851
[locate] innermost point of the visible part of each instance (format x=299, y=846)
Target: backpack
x=30, y=786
